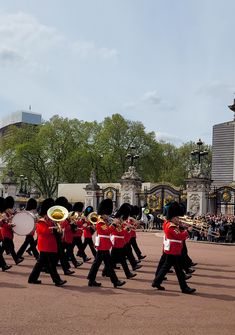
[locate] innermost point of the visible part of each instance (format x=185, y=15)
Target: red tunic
x=1, y=237
x=103, y=233
x=7, y=231
x=87, y=229
x=68, y=233
x=127, y=235
x=174, y=238
x=79, y=223
x=133, y=227
x=46, y=238
x=117, y=237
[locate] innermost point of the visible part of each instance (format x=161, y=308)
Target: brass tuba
x=57, y=213
x=93, y=218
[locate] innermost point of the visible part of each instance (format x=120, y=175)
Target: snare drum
x=24, y=223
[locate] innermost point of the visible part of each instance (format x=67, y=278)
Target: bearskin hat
x=61, y=201
x=88, y=210
x=175, y=209
x=78, y=206
x=2, y=204
x=166, y=207
x=135, y=211
x=69, y=207
x=31, y=204
x=9, y=202
x=105, y=207
x=124, y=211
x=46, y=204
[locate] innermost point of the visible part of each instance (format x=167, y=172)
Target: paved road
x=134, y=309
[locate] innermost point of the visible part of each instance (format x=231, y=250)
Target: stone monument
x=198, y=185
x=130, y=186
x=92, y=191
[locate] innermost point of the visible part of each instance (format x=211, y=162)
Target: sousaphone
x=57, y=213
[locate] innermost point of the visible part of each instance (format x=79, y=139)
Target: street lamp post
x=23, y=191
x=198, y=153
x=132, y=156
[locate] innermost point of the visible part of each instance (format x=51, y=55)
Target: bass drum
x=23, y=223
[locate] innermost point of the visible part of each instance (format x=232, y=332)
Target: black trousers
x=134, y=245
x=129, y=254
x=68, y=249
x=160, y=263
x=46, y=260
x=29, y=240
x=102, y=256
x=2, y=260
x=175, y=261
x=89, y=241
x=10, y=248
x=186, y=260
x=61, y=255
x=77, y=241
x=118, y=256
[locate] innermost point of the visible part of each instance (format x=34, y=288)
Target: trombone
x=197, y=225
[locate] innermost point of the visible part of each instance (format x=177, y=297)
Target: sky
x=169, y=64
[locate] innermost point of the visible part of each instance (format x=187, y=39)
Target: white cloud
x=215, y=89
x=149, y=100
x=86, y=49
x=169, y=138
x=24, y=38
x=8, y=56
x=152, y=97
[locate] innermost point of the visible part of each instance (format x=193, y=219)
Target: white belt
x=177, y=241
x=116, y=236
x=105, y=236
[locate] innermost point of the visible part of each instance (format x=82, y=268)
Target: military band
x=114, y=235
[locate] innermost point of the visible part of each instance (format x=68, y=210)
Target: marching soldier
x=173, y=249
x=103, y=245
x=47, y=246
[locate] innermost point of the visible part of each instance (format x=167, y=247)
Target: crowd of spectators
x=216, y=228
x=211, y=227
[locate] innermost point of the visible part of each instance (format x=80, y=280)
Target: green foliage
x=65, y=151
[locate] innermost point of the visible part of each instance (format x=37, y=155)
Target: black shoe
x=117, y=268
x=190, y=271
x=86, y=259
x=139, y=261
x=119, y=283
x=187, y=277
x=94, y=283
x=136, y=267
x=142, y=257
x=68, y=272
x=131, y=275
x=193, y=264
x=19, y=260
x=78, y=264
x=6, y=267
x=34, y=281
x=61, y=282
x=165, y=278
x=159, y=287
x=188, y=290
x=170, y=271
x=29, y=252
